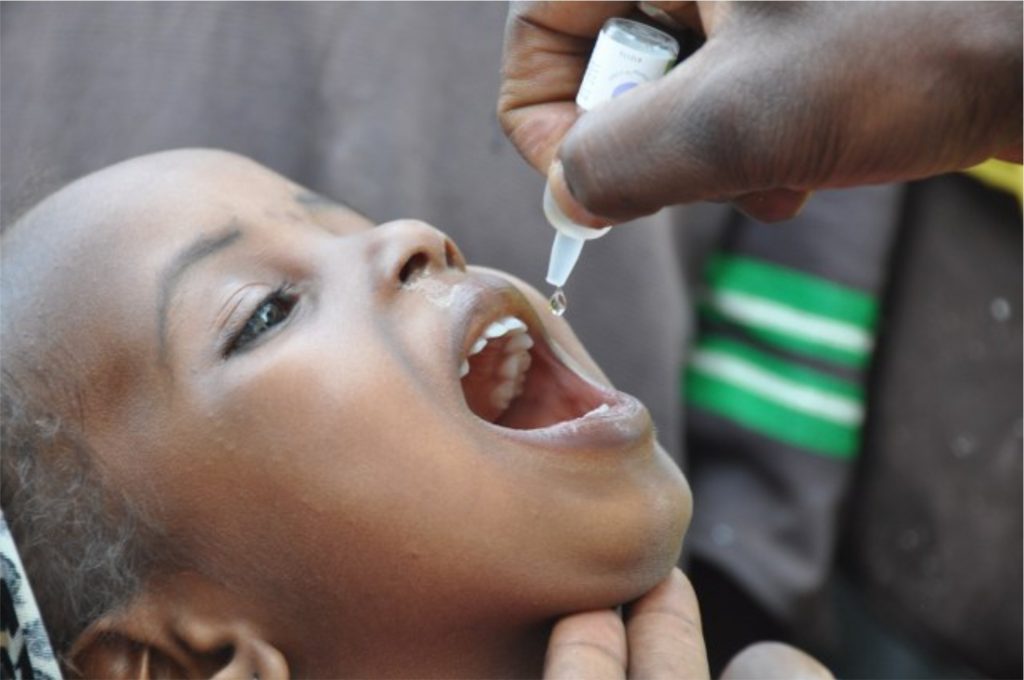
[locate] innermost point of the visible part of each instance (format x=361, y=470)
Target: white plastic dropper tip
x=565, y=251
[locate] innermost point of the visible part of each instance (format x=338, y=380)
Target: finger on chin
x=588, y=645
x=664, y=632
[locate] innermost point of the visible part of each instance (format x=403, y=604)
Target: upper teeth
x=502, y=326
x=508, y=325
x=478, y=346
x=512, y=368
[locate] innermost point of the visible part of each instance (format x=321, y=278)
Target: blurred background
x=895, y=554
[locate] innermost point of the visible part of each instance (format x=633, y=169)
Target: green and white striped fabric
x=769, y=380
x=793, y=310
x=775, y=389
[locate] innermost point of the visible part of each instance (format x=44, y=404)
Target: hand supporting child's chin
x=659, y=636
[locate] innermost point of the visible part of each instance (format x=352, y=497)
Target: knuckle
x=718, y=134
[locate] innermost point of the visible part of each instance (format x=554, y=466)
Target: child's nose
x=416, y=249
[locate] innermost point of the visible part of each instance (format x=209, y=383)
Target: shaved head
x=87, y=547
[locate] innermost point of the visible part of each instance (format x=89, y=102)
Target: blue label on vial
x=623, y=89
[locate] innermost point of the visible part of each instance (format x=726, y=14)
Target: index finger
x=546, y=48
x=664, y=633
x=587, y=646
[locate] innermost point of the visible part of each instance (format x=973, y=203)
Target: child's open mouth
x=520, y=383
x=510, y=377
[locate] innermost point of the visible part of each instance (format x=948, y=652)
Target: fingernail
x=775, y=205
x=659, y=15
x=569, y=205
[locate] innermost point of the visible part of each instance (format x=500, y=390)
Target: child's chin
x=643, y=558
x=659, y=544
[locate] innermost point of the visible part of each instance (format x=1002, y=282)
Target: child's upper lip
x=483, y=299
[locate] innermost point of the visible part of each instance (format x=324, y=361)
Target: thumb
x=774, y=661
x=589, y=645
x=695, y=134
x=664, y=633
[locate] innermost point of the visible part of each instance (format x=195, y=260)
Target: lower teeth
x=503, y=394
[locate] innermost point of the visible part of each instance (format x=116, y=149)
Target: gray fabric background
x=389, y=108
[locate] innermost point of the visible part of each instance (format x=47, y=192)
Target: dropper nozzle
x=569, y=238
x=565, y=251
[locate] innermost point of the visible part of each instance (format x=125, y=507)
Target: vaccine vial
x=627, y=53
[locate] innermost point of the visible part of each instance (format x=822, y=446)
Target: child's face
x=278, y=384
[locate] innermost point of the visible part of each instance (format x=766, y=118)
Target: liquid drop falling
x=558, y=302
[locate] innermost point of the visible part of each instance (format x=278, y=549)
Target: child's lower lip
x=619, y=421
x=623, y=422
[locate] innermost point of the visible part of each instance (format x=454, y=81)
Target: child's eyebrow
x=202, y=247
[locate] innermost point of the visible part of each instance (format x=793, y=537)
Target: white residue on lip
x=578, y=424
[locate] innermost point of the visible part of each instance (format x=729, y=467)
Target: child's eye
x=274, y=309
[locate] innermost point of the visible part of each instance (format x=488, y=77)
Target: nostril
x=414, y=266
x=453, y=257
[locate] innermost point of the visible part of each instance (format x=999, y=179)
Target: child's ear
x=165, y=635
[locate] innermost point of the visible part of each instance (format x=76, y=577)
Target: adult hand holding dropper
x=781, y=99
